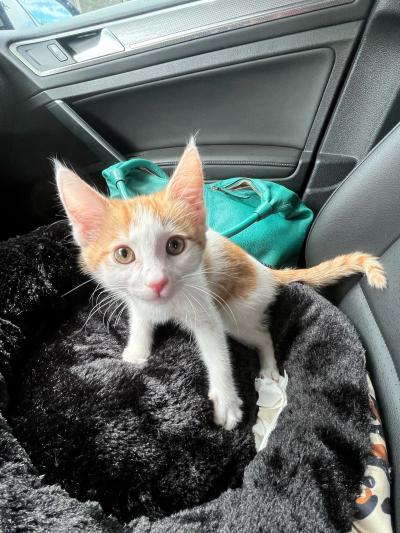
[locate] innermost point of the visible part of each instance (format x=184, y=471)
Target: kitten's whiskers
x=219, y=300
x=113, y=312
x=77, y=287
x=96, y=308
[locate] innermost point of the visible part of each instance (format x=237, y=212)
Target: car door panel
x=258, y=94
x=250, y=108
x=273, y=93
x=149, y=40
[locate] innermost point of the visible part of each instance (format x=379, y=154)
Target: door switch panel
x=45, y=56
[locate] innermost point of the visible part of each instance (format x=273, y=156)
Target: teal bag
x=267, y=220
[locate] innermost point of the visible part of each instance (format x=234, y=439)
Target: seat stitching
x=378, y=327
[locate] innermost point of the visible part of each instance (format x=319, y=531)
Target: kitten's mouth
x=159, y=298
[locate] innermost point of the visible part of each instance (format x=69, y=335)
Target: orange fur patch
x=240, y=274
x=120, y=215
x=329, y=272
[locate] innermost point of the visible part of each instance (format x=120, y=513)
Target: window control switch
x=57, y=52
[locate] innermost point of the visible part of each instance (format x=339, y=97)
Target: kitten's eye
x=175, y=245
x=124, y=255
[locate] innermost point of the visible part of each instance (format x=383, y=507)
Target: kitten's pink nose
x=158, y=286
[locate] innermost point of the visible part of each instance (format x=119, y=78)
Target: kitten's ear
x=84, y=206
x=187, y=183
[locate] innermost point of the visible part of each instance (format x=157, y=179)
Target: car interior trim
x=121, y=34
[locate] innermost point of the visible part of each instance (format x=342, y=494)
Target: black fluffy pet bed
x=91, y=443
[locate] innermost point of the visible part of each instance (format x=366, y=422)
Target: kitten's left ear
x=187, y=183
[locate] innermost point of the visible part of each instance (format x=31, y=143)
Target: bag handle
x=267, y=205
x=117, y=173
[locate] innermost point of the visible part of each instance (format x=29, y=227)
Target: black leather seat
x=364, y=214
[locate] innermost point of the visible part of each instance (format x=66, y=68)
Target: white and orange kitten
x=156, y=254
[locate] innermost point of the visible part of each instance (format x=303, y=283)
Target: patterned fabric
x=373, y=505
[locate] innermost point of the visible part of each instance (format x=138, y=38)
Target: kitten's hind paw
x=226, y=413
x=135, y=357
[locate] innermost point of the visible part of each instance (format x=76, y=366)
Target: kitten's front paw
x=134, y=356
x=271, y=373
x=227, y=413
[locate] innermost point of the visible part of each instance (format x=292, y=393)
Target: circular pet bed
x=91, y=443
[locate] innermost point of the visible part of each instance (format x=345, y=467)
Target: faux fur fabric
x=90, y=443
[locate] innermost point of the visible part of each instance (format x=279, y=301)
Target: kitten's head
x=143, y=247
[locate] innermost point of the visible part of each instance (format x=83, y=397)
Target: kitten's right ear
x=84, y=206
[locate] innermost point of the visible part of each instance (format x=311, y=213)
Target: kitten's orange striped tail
x=342, y=266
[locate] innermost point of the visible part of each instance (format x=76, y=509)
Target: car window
x=48, y=11
x=23, y=14
x=92, y=5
